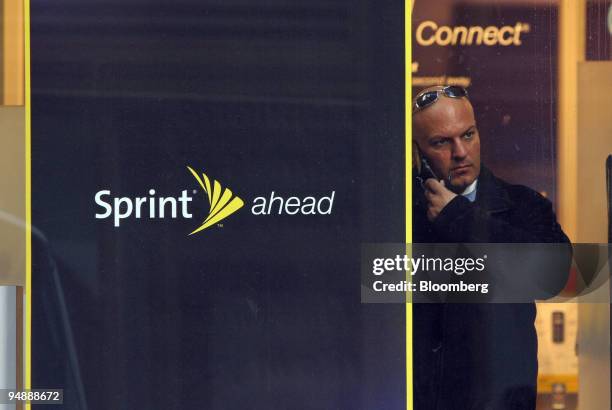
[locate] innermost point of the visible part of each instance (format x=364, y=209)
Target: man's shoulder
x=517, y=194
x=522, y=192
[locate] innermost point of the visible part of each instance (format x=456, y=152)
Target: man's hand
x=437, y=197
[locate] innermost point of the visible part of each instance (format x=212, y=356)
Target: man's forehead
x=447, y=116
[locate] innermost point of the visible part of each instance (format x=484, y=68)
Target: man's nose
x=459, y=150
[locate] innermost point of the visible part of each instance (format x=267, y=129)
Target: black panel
x=264, y=312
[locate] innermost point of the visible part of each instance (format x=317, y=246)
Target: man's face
x=447, y=136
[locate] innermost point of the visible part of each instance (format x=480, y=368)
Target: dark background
x=297, y=97
x=598, y=35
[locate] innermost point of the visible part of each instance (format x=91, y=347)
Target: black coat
x=480, y=356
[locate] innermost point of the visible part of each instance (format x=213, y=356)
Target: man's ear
x=416, y=157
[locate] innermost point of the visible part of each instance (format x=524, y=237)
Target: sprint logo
x=222, y=203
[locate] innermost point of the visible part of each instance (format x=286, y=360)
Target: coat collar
x=490, y=194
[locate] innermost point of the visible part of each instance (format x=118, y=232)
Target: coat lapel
x=490, y=195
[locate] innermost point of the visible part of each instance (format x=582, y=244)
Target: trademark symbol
x=220, y=225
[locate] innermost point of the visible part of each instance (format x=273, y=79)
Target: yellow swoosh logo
x=222, y=201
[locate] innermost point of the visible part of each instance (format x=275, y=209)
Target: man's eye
x=469, y=135
x=438, y=143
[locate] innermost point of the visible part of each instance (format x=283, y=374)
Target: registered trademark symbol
x=195, y=190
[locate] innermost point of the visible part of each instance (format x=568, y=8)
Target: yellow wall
x=12, y=155
x=593, y=145
x=12, y=196
x=12, y=52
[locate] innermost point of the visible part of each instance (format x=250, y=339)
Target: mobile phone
x=424, y=171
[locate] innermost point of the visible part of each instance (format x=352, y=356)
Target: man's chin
x=459, y=185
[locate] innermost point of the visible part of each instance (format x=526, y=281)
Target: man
x=471, y=356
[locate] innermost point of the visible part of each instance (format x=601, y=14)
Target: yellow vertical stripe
x=572, y=44
x=408, y=5
x=28, y=206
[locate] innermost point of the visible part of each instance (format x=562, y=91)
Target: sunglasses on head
x=427, y=98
